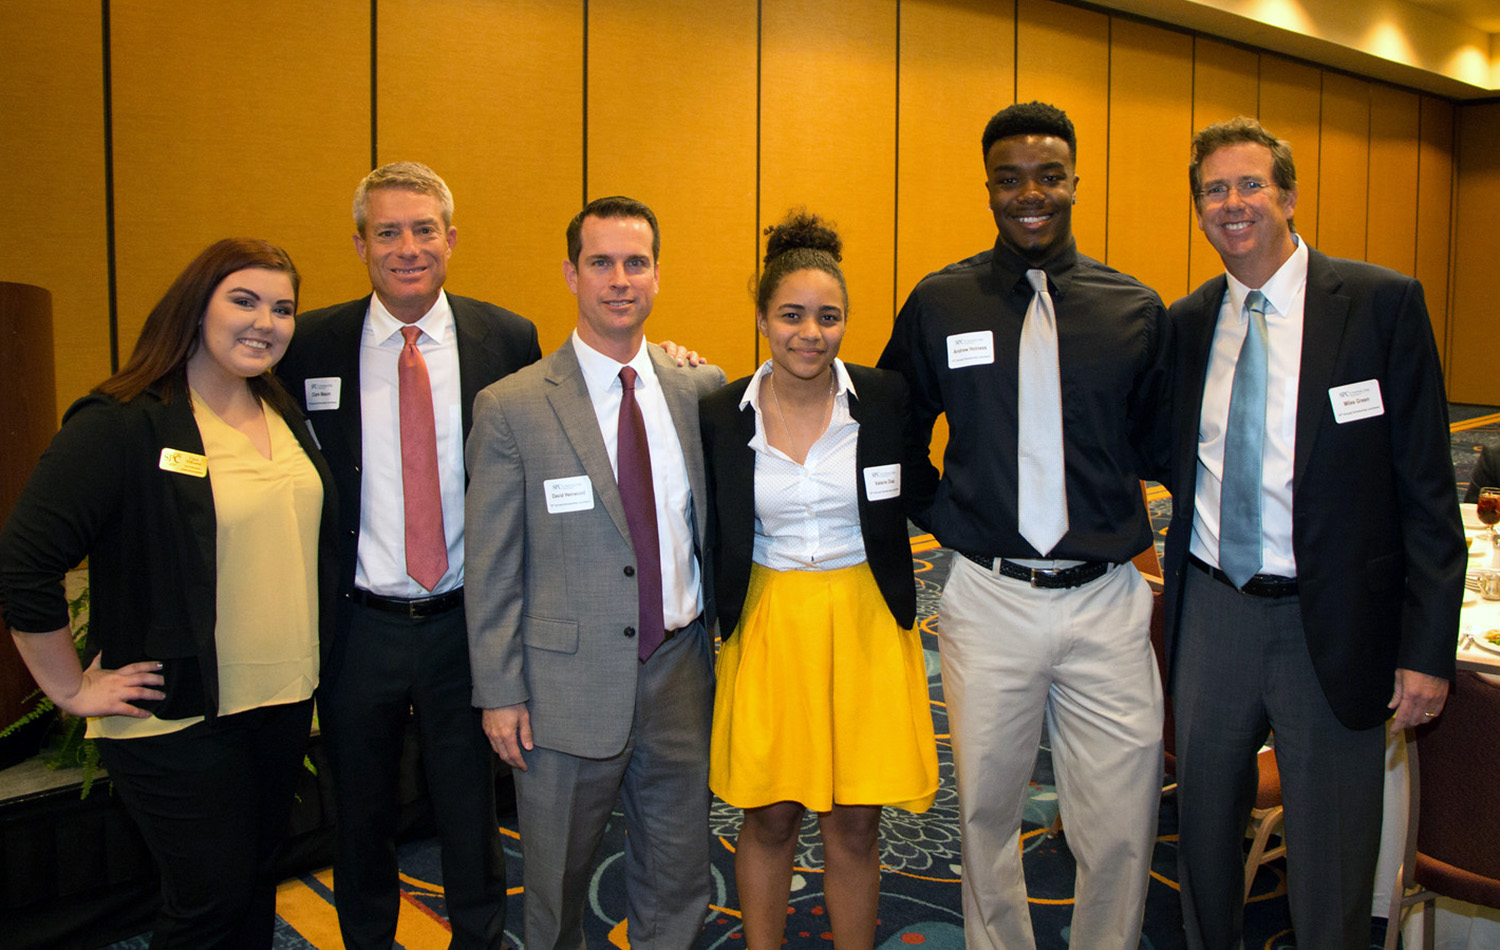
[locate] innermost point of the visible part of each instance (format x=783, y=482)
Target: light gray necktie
x=1244, y=447
x=1042, y=503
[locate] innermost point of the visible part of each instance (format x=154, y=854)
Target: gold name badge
x=183, y=463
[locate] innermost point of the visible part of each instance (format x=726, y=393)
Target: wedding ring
x=1429, y=715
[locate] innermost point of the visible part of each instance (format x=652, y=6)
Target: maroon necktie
x=633, y=461
x=426, y=546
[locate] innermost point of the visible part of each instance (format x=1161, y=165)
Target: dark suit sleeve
x=1150, y=408
x=907, y=354
x=74, y=492
x=1431, y=531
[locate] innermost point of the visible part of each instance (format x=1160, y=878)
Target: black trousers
x=212, y=802
x=387, y=669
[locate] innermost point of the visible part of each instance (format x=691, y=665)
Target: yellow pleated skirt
x=822, y=698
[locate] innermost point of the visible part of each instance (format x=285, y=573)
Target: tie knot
x=627, y=377
x=1255, y=302
x=411, y=333
x=1038, y=280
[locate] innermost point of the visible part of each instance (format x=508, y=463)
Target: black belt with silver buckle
x=413, y=609
x=1044, y=578
x=1261, y=585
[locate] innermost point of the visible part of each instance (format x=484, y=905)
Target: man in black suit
x=1315, y=559
x=400, y=644
x=1486, y=472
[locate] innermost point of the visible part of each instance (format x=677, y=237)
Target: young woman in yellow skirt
x=822, y=698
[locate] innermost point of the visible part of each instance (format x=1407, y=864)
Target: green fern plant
x=68, y=747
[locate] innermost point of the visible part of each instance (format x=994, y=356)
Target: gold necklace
x=827, y=414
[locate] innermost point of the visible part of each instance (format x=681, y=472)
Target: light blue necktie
x=1244, y=447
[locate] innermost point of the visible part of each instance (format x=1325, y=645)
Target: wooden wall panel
x=672, y=123
x=1150, y=122
x=1391, y=237
x=1474, y=349
x=1290, y=105
x=1344, y=166
x=1226, y=83
x=1062, y=57
x=1435, y=212
x=230, y=119
x=490, y=94
x=957, y=70
x=52, y=147
x=835, y=151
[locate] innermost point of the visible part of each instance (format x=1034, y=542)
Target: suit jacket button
x=629, y=571
x=629, y=631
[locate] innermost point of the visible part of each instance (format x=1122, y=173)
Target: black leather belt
x=1261, y=585
x=414, y=609
x=1046, y=578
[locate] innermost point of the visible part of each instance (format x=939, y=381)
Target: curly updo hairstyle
x=802, y=241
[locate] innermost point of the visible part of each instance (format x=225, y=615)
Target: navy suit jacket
x=492, y=343
x=880, y=408
x=1375, y=525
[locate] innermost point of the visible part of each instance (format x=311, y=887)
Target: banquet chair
x=1453, y=822
x=1265, y=819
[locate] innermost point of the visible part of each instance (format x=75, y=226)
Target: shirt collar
x=841, y=381
x=600, y=371
x=436, y=323
x=1281, y=291
x=1012, y=268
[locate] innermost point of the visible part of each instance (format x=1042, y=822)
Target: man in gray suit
x=587, y=596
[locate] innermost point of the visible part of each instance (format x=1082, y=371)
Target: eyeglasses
x=1248, y=189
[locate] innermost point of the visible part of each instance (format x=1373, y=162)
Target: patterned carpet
x=920, y=885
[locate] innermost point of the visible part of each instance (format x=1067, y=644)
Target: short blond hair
x=412, y=176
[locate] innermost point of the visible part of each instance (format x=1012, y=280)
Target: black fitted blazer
x=879, y=405
x=151, y=538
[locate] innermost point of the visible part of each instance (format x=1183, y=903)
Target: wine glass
x=1488, y=510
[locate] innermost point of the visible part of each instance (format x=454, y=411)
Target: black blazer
x=492, y=342
x=151, y=539
x=1375, y=524
x=880, y=408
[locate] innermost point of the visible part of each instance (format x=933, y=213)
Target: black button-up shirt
x=1113, y=351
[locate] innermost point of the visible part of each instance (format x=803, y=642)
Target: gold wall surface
x=190, y=122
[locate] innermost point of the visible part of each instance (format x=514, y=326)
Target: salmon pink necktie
x=426, y=546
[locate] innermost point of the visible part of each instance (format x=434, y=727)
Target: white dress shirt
x=1285, y=294
x=381, y=564
x=807, y=515
x=682, y=595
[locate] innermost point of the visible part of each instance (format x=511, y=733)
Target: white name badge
x=183, y=463
x=569, y=494
x=971, y=349
x=1356, y=401
x=883, y=481
x=322, y=392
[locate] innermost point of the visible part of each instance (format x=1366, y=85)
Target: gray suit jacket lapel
x=569, y=397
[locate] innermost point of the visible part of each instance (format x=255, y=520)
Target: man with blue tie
x=1315, y=559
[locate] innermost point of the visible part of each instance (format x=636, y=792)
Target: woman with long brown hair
x=191, y=483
